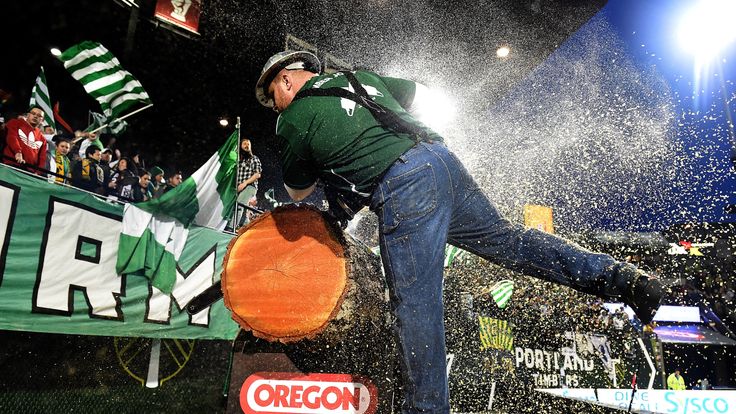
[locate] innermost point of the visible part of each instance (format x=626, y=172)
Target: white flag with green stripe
x=154, y=232
x=453, y=253
x=104, y=78
x=40, y=96
x=114, y=126
x=501, y=292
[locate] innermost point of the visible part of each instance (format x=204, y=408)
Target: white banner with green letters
x=58, y=248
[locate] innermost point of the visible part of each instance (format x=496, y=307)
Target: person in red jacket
x=24, y=141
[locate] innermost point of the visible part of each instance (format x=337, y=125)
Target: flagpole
x=237, y=168
x=118, y=119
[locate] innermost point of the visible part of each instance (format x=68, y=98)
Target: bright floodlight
x=503, y=51
x=708, y=27
x=224, y=122
x=55, y=51
x=433, y=108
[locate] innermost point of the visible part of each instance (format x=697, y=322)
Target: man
x=87, y=173
x=105, y=159
x=2, y=130
x=173, y=181
x=156, y=184
x=90, y=138
x=675, y=381
x=48, y=134
x=24, y=142
x=63, y=145
x=140, y=191
x=249, y=172
x=367, y=149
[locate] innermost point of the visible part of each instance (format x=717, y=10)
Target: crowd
x=81, y=160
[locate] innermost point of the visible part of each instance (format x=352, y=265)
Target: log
x=292, y=274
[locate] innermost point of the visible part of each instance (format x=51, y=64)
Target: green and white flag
x=501, y=292
x=452, y=253
x=154, y=232
x=40, y=96
x=114, y=126
x=104, y=78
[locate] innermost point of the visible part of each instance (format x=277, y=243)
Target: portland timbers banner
x=58, y=248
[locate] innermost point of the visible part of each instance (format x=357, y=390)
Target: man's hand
x=19, y=158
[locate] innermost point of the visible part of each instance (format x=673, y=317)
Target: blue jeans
x=427, y=199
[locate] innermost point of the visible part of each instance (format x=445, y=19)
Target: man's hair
x=143, y=172
x=34, y=106
x=90, y=150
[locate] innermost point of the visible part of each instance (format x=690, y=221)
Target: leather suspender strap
x=385, y=116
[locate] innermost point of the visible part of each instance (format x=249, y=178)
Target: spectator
x=156, y=184
x=619, y=319
x=87, y=174
x=24, y=142
x=105, y=158
x=173, y=181
x=249, y=172
x=136, y=164
x=49, y=133
x=90, y=138
x=702, y=385
x=2, y=131
x=676, y=381
x=123, y=180
x=140, y=191
x=63, y=165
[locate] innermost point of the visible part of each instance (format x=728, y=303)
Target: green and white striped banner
x=114, y=126
x=501, y=292
x=453, y=253
x=154, y=232
x=104, y=78
x=40, y=96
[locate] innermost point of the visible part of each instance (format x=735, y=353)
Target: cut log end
x=286, y=274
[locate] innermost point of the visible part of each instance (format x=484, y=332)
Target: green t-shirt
x=339, y=141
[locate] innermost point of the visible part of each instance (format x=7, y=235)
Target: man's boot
x=642, y=293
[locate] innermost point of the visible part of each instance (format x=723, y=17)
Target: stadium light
x=707, y=28
x=434, y=108
x=503, y=52
x=224, y=122
x=55, y=51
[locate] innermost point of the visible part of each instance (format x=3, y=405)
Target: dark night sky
x=195, y=80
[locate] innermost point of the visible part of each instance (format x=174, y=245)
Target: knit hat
x=156, y=171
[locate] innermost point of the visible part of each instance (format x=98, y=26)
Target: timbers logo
x=290, y=392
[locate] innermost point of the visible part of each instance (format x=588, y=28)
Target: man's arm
x=299, y=195
x=253, y=178
x=410, y=95
x=12, y=140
